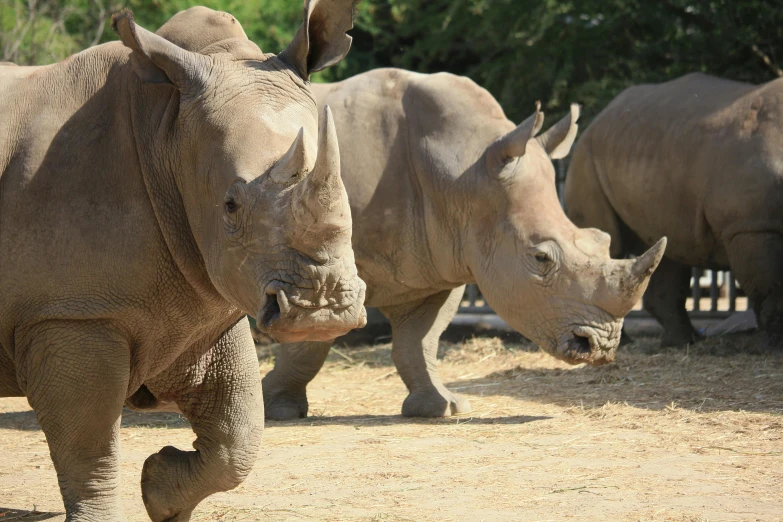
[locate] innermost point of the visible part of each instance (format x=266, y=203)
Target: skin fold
x=445, y=191
x=696, y=159
x=150, y=197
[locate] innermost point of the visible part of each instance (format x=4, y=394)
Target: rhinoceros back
x=692, y=159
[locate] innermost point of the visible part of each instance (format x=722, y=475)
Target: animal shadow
x=26, y=421
x=359, y=421
x=26, y=516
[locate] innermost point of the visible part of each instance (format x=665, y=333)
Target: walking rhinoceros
x=697, y=159
x=446, y=191
x=150, y=197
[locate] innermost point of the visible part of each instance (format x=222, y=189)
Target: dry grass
x=678, y=434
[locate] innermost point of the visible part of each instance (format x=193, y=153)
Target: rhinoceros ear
x=321, y=41
x=155, y=59
x=513, y=144
x=557, y=141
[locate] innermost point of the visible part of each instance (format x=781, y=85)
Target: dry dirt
x=678, y=434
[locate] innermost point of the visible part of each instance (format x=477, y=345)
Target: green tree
x=581, y=50
x=556, y=51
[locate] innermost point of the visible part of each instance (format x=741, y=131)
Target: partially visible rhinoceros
x=700, y=160
x=150, y=197
x=444, y=191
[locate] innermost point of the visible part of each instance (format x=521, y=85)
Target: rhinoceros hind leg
x=416, y=329
x=219, y=392
x=285, y=387
x=757, y=262
x=665, y=300
x=76, y=382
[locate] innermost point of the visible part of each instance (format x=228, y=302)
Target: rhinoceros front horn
x=634, y=275
x=645, y=265
x=321, y=197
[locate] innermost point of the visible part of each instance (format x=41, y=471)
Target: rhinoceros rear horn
x=513, y=144
x=295, y=164
x=320, y=41
x=155, y=59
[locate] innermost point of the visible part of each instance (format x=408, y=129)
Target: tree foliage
x=583, y=51
x=556, y=51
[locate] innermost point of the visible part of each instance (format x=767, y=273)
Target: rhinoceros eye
x=544, y=259
x=231, y=205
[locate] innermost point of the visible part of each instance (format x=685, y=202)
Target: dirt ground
x=678, y=435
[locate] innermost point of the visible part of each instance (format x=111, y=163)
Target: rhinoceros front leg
x=416, y=329
x=75, y=375
x=219, y=392
x=285, y=387
x=665, y=300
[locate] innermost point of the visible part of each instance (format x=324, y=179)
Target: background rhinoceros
x=445, y=191
x=151, y=196
x=699, y=160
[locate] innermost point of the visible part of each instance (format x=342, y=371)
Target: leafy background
x=521, y=50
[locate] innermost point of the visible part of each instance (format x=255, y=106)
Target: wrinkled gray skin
x=150, y=197
x=697, y=159
x=446, y=191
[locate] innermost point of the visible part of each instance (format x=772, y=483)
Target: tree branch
x=767, y=60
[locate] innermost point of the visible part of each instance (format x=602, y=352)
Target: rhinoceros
x=446, y=191
x=697, y=159
x=150, y=197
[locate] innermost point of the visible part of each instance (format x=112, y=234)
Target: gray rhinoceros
x=150, y=197
x=444, y=191
x=697, y=159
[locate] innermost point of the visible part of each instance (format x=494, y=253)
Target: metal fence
x=714, y=294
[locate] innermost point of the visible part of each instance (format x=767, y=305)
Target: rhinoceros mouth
x=286, y=321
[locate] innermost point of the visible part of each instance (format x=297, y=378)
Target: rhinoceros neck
x=160, y=154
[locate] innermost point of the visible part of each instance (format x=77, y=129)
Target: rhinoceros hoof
x=285, y=405
x=158, y=490
x=679, y=338
x=434, y=403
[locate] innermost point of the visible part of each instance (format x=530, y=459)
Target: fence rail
x=714, y=294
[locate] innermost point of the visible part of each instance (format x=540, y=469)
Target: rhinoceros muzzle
x=584, y=344
x=288, y=319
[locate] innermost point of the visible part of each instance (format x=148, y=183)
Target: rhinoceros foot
x=281, y=405
x=680, y=337
x=157, y=480
x=434, y=403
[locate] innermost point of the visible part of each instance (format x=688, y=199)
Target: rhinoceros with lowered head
x=150, y=197
x=446, y=191
x=697, y=159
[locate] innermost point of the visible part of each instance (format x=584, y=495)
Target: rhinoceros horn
x=296, y=163
x=631, y=277
x=321, y=198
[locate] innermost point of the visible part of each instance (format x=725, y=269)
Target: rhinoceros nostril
x=271, y=310
x=581, y=344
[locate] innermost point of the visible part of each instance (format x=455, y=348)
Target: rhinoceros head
x=547, y=278
x=258, y=178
